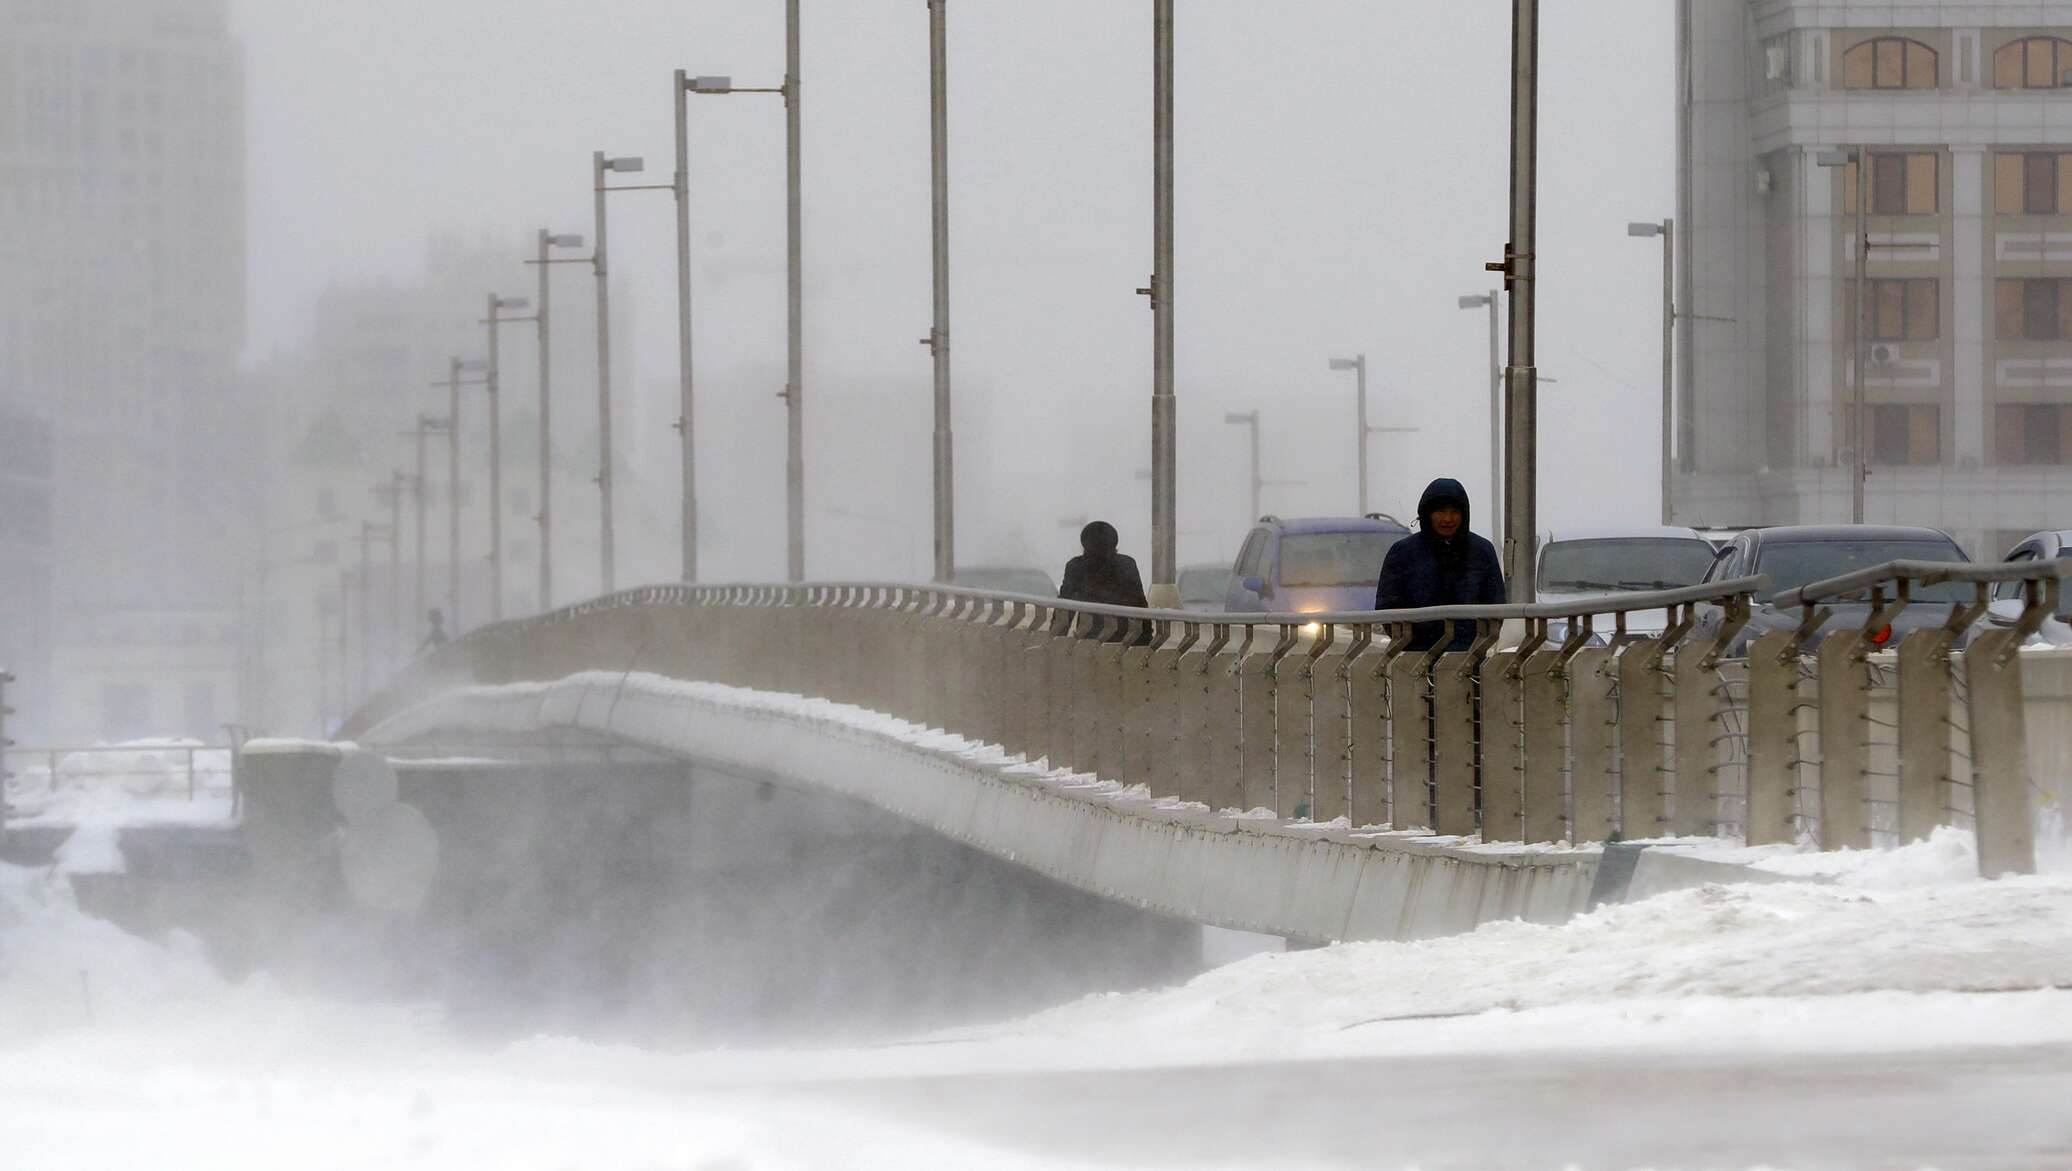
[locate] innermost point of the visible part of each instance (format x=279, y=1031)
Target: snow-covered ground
x=98, y=792
x=1901, y=1017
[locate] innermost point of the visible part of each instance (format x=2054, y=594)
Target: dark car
x=1798, y=555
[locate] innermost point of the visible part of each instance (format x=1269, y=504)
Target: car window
x=1791, y=564
x=1623, y=563
x=2005, y=590
x=1334, y=559
x=1253, y=558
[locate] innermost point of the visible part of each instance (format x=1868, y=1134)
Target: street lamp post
x=602, y=165
x=938, y=339
x=1667, y=231
x=794, y=381
x=1859, y=356
x=1492, y=301
x=1164, y=410
x=495, y=321
x=1358, y=365
x=454, y=368
x=686, y=437
x=545, y=518
x=1521, y=282
x=426, y=424
x=1250, y=419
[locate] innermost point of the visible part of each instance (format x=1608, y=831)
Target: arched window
x=1889, y=63
x=2032, y=63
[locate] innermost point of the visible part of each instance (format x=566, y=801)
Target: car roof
x=1206, y=567
x=1614, y=532
x=2060, y=537
x=1331, y=524
x=1784, y=533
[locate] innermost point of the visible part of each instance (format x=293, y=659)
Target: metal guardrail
x=1564, y=736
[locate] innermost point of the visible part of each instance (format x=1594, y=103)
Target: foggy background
x=1341, y=179
x=246, y=236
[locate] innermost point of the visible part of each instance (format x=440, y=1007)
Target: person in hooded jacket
x=1441, y=564
x=1100, y=574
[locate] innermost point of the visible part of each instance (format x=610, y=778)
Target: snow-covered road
x=1905, y=1017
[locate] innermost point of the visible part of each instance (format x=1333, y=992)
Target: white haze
x=1341, y=179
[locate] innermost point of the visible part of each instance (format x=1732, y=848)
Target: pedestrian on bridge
x=1103, y=575
x=436, y=636
x=1441, y=564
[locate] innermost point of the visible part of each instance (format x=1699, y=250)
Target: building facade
x=122, y=302
x=1964, y=115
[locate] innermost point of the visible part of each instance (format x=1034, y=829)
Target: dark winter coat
x=1100, y=574
x=1425, y=569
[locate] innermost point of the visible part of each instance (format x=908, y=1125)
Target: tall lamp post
x=495, y=321
x=420, y=497
x=545, y=517
x=1358, y=365
x=1859, y=357
x=1521, y=282
x=794, y=380
x=938, y=339
x=1493, y=301
x=455, y=367
x=686, y=436
x=1667, y=231
x=1164, y=410
x=1250, y=419
x=601, y=166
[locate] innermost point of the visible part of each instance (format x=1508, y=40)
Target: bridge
x=1309, y=775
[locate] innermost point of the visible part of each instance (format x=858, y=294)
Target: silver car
x=1596, y=563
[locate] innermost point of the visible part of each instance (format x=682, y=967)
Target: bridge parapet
x=1560, y=724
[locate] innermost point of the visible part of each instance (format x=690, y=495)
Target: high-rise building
x=1964, y=113
x=122, y=296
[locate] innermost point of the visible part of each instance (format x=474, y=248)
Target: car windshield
x=1623, y=563
x=1203, y=583
x=1334, y=559
x=1008, y=581
x=1791, y=564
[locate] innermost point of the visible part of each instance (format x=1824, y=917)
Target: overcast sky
x=1342, y=169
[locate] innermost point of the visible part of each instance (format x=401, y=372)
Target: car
x=1203, y=585
x=1310, y=564
x=2005, y=608
x=1597, y=563
x=1797, y=555
x=1006, y=579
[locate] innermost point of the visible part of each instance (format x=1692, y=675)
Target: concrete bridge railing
x=1573, y=728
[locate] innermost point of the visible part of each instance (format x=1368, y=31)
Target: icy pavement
x=1895, y=1023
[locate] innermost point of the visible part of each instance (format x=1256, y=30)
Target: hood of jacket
x=1438, y=494
x=1099, y=540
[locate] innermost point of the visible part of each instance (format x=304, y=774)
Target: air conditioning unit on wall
x=1881, y=355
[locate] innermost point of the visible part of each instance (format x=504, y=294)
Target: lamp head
x=629, y=164
x=1474, y=301
x=711, y=84
x=565, y=241
x=1241, y=417
x=514, y=302
x=1638, y=229
x=1347, y=363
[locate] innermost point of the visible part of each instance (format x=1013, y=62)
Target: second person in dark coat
x=1441, y=564
x=1100, y=574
